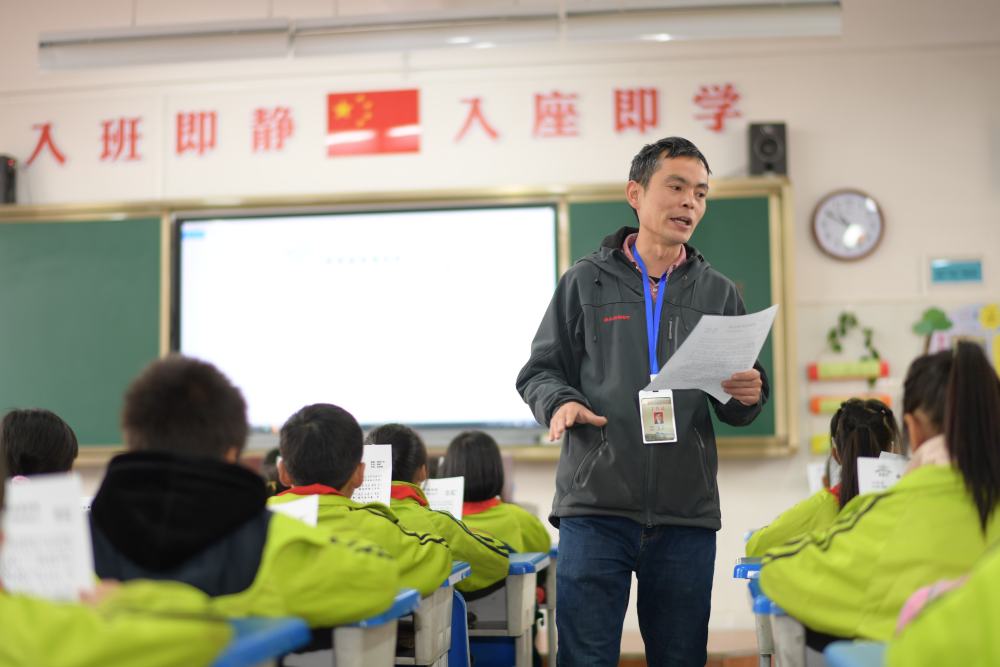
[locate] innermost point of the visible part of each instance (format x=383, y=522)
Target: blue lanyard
x=652, y=304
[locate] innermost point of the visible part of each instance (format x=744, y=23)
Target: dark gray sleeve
x=733, y=412
x=552, y=375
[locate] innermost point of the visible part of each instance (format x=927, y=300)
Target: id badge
x=656, y=410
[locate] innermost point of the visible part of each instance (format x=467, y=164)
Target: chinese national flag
x=385, y=121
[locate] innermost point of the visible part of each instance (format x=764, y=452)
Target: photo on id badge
x=656, y=410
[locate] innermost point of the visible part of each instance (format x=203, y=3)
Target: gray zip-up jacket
x=591, y=347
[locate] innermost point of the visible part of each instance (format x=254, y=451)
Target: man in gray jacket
x=623, y=506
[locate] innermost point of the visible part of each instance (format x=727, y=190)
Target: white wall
x=904, y=106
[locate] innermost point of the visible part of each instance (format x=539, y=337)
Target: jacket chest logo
x=612, y=318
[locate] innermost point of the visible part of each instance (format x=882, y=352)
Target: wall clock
x=848, y=224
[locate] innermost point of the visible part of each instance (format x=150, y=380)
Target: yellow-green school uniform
x=424, y=559
x=852, y=579
x=142, y=623
x=817, y=512
x=487, y=555
x=514, y=525
x=958, y=628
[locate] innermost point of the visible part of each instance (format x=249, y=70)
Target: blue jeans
x=674, y=566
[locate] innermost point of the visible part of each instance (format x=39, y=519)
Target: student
x=488, y=556
x=115, y=627
x=321, y=449
x=858, y=428
x=851, y=580
x=957, y=628
x=475, y=456
x=35, y=442
x=177, y=506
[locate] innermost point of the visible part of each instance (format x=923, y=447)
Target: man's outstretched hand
x=570, y=414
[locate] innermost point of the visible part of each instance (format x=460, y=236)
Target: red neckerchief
x=313, y=490
x=402, y=492
x=835, y=490
x=479, y=506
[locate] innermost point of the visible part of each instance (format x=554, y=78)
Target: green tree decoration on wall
x=932, y=320
x=847, y=322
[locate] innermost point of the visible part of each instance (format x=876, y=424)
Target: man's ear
x=283, y=476
x=633, y=191
x=232, y=455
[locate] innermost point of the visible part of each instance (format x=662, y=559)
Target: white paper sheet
x=446, y=493
x=878, y=474
x=305, y=509
x=46, y=550
x=814, y=475
x=718, y=347
x=893, y=457
x=377, y=486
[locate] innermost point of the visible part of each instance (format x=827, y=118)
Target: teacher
x=621, y=505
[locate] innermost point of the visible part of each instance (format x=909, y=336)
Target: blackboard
x=79, y=317
x=735, y=238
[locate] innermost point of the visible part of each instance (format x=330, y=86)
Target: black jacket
x=591, y=347
x=164, y=516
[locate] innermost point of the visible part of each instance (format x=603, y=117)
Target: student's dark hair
x=860, y=428
x=37, y=441
x=647, y=161
x=925, y=386
x=185, y=406
x=321, y=444
x=408, y=449
x=475, y=456
x=972, y=425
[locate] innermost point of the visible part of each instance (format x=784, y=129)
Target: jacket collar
x=312, y=490
x=479, y=506
x=405, y=490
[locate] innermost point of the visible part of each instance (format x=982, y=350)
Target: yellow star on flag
x=342, y=110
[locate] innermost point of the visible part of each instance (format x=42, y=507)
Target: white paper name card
x=377, y=487
x=878, y=474
x=305, y=509
x=46, y=550
x=447, y=494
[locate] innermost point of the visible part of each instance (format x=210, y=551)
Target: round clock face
x=848, y=224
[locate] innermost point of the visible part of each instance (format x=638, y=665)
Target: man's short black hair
x=321, y=444
x=475, y=456
x=184, y=406
x=647, y=161
x=408, y=449
x=36, y=442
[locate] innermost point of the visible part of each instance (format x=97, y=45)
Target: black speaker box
x=768, y=149
x=8, y=179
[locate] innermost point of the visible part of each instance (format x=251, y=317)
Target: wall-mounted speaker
x=768, y=149
x=8, y=179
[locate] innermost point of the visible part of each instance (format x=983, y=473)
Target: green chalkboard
x=734, y=236
x=79, y=317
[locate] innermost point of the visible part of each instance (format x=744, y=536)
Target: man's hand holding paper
x=718, y=357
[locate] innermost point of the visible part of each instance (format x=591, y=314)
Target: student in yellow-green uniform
x=475, y=456
x=487, y=555
x=321, y=450
x=858, y=428
x=153, y=624
x=957, y=628
x=852, y=580
x=178, y=507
